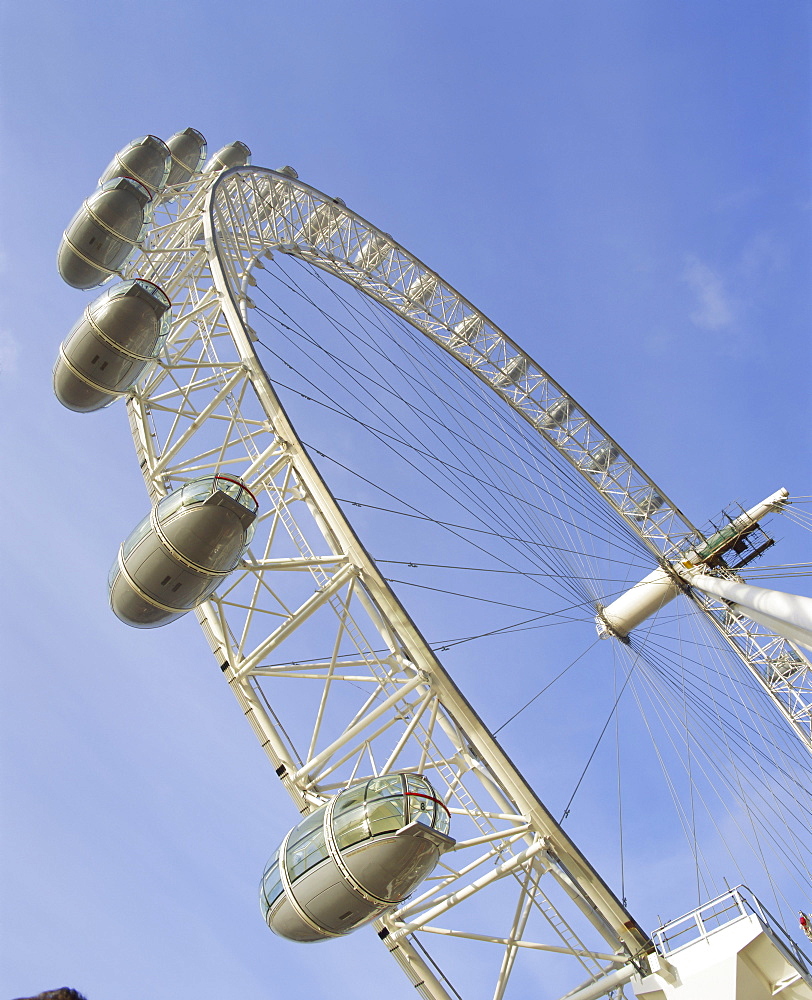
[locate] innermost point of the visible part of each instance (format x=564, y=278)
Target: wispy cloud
x=762, y=256
x=714, y=307
x=9, y=352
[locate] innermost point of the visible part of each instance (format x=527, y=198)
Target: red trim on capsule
x=239, y=482
x=431, y=798
x=128, y=177
x=154, y=284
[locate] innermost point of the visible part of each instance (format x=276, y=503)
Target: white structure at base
x=726, y=950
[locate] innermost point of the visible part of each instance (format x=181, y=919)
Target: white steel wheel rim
x=346, y=566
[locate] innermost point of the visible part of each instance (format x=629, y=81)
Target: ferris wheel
x=413, y=816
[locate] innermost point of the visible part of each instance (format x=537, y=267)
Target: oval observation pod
x=360, y=854
x=179, y=554
x=648, y=503
x=601, y=458
x=514, y=371
x=187, y=151
x=557, y=413
x=145, y=159
x=107, y=350
x=103, y=232
x=235, y=154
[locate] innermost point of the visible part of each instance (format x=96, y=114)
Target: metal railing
x=720, y=912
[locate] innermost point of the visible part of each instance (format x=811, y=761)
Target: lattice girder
x=331, y=672
x=401, y=282
x=375, y=698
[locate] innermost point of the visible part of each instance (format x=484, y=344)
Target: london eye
x=330, y=435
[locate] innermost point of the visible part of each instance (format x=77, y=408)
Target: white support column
x=604, y=984
x=453, y=898
x=638, y=604
x=658, y=588
x=789, y=615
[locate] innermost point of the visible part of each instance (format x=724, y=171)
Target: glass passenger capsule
x=515, y=370
x=187, y=151
x=354, y=857
x=182, y=550
x=372, y=252
x=145, y=159
x=557, y=413
x=107, y=350
x=103, y=232
x=235, y=154
x=648, y=503
x=468, y=329
x=601, y=458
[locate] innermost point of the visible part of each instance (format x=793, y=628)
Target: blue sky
x=625, y=189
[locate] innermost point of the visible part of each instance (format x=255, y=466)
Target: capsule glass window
x=306, y=845
x=369, y=810
x=197, y=491
x=390, y=784
x=236, y=489
x=351, y=826
x=421, y=809
x=417, y=783
x=124, y=288
x=142, y=194
x=170, y=503
x=270, y=888
x=136, y=535
x=349, y=798
x=386, y=804
x=386, y=815
x=424, y=806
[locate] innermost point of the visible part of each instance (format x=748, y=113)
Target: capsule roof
x=119, y=183
x=181, y=551
x=146, y=159
x=187, y=151
x=354, y=857
x=148, y=292
x=142, y=287
x=109, y=347
x=101, y=235
x=235, y=154
x=230, y=485
x=199, y=490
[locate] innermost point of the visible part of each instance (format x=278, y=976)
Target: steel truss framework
x=378, y=699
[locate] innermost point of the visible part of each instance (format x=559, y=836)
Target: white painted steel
x=638, y=604
x=727, y=948
x=789, y=615
x=208, y=406
x=661, y=586
x=602, y=988
x=780, y=667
